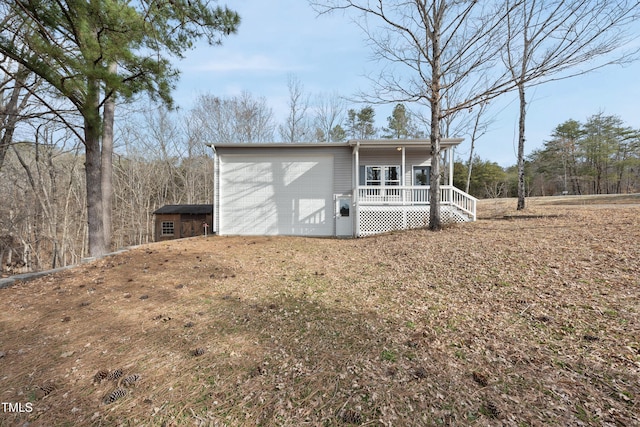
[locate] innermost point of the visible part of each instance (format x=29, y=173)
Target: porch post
x=403, y=179
x=451, y=165
x=356, y=191
x=450, y=158
x=404, y=189
x=404, y=171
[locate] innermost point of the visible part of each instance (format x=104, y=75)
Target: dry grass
x=492, y=208
x=523, y=321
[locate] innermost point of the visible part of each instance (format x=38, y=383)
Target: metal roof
x=445, y=142
x=185, y=209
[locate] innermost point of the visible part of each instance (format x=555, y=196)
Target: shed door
x=269, y=195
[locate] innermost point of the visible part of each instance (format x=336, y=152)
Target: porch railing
x=416, y=195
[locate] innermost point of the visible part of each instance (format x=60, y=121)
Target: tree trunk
x=9, y=113
x=521, y=139
x=107, y=164
x=93, y=173
x=435, y=223
x=474, y=135
x=573, y=171
x=469, y=167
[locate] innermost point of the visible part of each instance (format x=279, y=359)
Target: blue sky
x=329, y=54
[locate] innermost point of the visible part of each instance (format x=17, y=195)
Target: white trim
x=216, y=190
x=444, y=142
x=403, y=171
x=356, y=180
x=451, y=152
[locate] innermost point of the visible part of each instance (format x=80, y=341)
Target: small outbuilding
x=179, y=221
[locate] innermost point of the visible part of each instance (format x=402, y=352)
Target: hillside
x=518, y=319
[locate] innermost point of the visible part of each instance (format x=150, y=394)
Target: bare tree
x=479, y=128
x=423, y=41
x=548, y=39
x=161, y=159
x=296, y=127
x=15, y=91
x=147, y=173
x=197, y=164
x=240, y=118
x=330, y=109
x=43, y=223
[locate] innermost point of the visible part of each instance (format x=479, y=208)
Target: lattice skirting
x=380, y=219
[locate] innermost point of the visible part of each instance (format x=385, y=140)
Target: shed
x=179, y=221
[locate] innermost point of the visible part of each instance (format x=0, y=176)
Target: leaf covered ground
x=520, y=319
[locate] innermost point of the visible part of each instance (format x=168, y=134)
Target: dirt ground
x=520, y=319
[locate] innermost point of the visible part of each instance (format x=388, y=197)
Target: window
x=421, y=175
x=167, y=228
x=382, y=175
x=344, y=205
x=374, y=175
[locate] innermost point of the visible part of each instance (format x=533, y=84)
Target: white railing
x=416, y=195
x=462, y=201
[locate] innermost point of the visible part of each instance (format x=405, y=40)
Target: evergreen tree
x=599, y=156
x=488, y=179
x=399, y=123
x=360, y=124
x=565, y=144
x=338, y=134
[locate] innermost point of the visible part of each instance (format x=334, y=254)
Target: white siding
x=276, y=193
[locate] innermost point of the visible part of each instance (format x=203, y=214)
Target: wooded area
x=43, y=217
x=599, y=156
x=160, y=157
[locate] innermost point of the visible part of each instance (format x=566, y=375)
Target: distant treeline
x=600, y=156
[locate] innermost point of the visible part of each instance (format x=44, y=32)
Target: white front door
x=344, y=216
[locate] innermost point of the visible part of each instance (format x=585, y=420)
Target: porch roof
x=394, y=143
x=373, y=143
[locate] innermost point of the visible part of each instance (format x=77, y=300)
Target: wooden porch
x=391, y=185
x=387, y=208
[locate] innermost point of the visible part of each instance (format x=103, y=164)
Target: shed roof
x=185, y=209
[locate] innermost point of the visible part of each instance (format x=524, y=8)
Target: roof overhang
x=276, y=144
x=363, y=143
x=394, y=143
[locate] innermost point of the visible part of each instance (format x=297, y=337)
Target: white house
x=355, y=188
